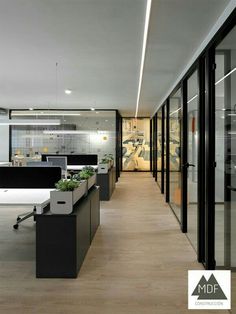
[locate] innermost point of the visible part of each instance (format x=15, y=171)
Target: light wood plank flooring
x=137, y=263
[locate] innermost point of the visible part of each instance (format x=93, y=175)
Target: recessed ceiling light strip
x=224, y=77
x=173, y=112
x=191, y=99
x=146, y=26
x=31, y=114
x=30, y=122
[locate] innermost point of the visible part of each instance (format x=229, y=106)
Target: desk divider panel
x=76, y=159
x=29, y=177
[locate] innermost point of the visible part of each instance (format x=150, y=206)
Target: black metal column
x=167, y=187
x=210, y=159
x=201, y=163
x=184, y=157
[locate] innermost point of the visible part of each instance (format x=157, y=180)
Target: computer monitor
x=60, y=161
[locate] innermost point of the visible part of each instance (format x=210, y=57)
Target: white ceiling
x=97, y=44
x=177, y=28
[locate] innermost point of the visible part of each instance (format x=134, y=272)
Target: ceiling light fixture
x=29, y=122
x=146, y=26
x=74, y=132
x=173, y=112
x=194, y=97
x=35, y=113
x=224, y=77
x=51, y=132
x=68, y=91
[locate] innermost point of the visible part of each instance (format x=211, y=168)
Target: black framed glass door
x=192, y=154
x=225, y=152
x=175, y=125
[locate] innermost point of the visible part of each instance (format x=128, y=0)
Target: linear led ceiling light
x=72, y=132
x=51, y=132
x=146, y=25
x=224, y=77
x=173, y=112
x=30, y=122
x=35, y=113
x=191, y=99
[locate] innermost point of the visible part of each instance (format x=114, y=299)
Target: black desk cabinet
x=62, y=241
x=107, y=182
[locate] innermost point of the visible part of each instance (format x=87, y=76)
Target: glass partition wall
x=196, y=150
x=70, y=132
x=192, y=157
x=225, y=152
x=159, y=147
x=174, y=152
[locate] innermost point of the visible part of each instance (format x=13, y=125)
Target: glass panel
x=175, y=144
x=225, y=152
x=86, y=132
x=192, y=154
x=164, y=148
x=136, y=145
x=153, y=147
x=159, y=146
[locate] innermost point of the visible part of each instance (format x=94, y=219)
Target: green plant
x=109, y=156
x=89, y=170
x=67, y=185
x=85, y=174
x=76, y=177
x=104, y=161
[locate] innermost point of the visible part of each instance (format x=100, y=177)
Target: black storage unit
x=107, y=183
x=94, y=211
x=62, y=241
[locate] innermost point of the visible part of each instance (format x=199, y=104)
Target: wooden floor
x=137, y=263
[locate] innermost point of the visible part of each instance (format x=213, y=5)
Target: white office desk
x=76, y=167
x=5, y=163
x=35, y=197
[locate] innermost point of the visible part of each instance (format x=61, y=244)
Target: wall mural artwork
x=136, y=144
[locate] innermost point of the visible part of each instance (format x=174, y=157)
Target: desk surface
x=76, y=167
x=35, y=197
x=5, y=163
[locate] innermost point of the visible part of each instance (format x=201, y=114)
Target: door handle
x=187, y=165
x=231, y=188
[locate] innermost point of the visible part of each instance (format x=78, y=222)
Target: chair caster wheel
x=16, y=226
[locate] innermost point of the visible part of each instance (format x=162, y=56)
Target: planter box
x=62, y=202
x=92, y=181
x=103, y=168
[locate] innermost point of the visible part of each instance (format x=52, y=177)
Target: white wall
x=4, y=141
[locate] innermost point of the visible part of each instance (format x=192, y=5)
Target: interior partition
x=64, y=132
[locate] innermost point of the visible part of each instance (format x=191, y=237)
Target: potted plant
x=104, y=165
x=110, y=157
x=87, y=173
x=67, y=193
